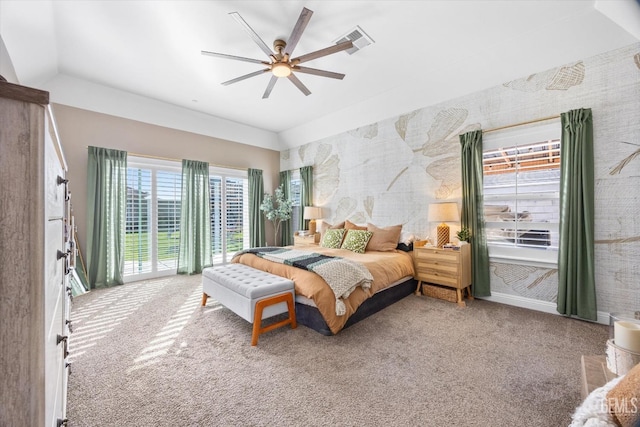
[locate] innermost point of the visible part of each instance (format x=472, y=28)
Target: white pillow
x=406, y=238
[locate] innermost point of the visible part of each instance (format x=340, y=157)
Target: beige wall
x=79, y=128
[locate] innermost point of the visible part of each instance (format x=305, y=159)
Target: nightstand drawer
x=438, y=255
x=440, y=279
x=438, y=267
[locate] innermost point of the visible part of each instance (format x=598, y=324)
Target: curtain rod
x=147, y=156
x=522, y=123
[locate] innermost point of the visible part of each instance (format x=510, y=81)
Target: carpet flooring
x=147, y=354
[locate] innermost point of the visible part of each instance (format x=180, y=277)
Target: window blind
x=521, y=184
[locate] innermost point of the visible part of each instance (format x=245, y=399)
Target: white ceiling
x=141, y=59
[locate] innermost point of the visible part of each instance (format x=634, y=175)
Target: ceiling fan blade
x=294, y=38
x=254, y=36
x=246, y=76
x=323, y=52
x=317, y=72
x=237, y=58
x=299, y=84
x=270, y=86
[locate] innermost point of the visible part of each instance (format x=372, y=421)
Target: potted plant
x=463, y=235
x=276, y=209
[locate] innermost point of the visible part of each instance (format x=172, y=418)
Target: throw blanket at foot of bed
x=342, y=275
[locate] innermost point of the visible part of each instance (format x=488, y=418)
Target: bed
x=392, y=273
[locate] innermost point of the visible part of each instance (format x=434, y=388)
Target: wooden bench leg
x=257, y=316
x=204, y=299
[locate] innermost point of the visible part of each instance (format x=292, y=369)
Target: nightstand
x=307, y=240
x=445, y=267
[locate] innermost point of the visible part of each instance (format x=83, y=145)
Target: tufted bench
x=251, y=294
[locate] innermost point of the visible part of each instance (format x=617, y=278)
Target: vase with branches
x=276, y=208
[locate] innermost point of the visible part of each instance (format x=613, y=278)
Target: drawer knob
x=62, y=254
x=61, y=338
x=62, y=422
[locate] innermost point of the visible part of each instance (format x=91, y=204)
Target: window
x=152, y=229
x=152, y=235
x=295, y=192
x=229, y=213
x=521, y=175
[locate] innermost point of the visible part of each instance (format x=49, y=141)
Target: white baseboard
x=534, y=304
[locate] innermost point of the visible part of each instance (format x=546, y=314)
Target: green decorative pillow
x=356, y=240
x=332, y=238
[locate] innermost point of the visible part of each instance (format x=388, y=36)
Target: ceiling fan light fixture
x=280, y=69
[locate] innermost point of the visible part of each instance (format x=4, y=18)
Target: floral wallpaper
x=388, y=172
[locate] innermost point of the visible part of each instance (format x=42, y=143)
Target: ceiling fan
x=280, y=63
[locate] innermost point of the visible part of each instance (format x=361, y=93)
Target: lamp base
x=312, y=227
x=443, y=234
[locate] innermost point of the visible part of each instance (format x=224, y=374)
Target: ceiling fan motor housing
x=279, y=45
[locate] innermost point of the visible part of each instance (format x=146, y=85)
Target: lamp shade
x=312, y=212
x=443, y=212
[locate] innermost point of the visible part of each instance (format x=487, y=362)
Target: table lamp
x=312, y=213
x=443, y=212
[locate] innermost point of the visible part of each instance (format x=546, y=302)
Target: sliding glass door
x=152, y=231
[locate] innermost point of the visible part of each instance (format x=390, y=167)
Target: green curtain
x=472, y=210
x=195, y=218
x=256, y=219
x=286, y=227
x=306, y=195
x=106, y=211
x=576, y=284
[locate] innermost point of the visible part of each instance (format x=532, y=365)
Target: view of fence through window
x=522, y=195
x=152, y=230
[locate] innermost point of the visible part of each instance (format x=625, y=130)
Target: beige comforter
x=385, y=267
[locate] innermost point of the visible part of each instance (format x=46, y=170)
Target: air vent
x=359, y=38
